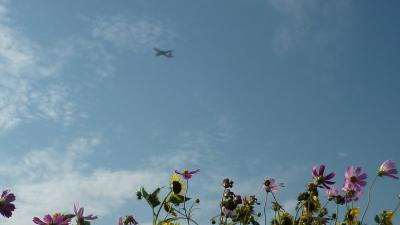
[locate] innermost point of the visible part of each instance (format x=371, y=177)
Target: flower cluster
x=309, y=210
x=234, y=208
x=176, y=203
x=66, y=219
x=171, y=204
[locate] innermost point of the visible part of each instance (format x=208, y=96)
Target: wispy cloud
x=27, y=76
x=52, y=179
x=293, y=26
x=297, y=22
x=30, y=73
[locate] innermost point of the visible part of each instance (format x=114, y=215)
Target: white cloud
x=31, y=87
x=27, y=87
x=52, y=179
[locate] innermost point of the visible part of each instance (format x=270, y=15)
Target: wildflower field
x=177, y=207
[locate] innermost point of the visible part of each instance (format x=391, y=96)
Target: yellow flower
x=286, y=219
x=177, y=186
x=311, y=205
x=388, y=217
x=169, y=223
x=169, y=209
x=352, y=215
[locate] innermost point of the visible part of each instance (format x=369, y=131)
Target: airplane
x=167, y=53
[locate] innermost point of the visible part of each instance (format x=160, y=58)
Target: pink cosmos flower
x=321, y=180
x=388, y=168
x=351, y=193
x=187, y=174
x=56, y=219
x=355, y=177
x=79, y=214
x=271, y=185
x=120, y=221
x=332, y=192
x=250, y=199
x=6, y=207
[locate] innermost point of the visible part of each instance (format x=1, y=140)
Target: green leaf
x=171, y=219
x=144, y=193
x=254, y=222
x=377, y=219
x=152, y=199
x=178, y=199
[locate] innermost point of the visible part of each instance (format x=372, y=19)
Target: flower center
x=176, y=187
x=353, y=179
x=320, y=179
x=351, y=193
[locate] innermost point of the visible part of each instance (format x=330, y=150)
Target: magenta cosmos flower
x=321, y=180
x=80, y=218
x=388, y=168
x=271, y=185
x=186, y=174
x=56, y=219
x=6, y=205
x=355, y=177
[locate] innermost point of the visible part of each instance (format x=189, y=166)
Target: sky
x=257, y=89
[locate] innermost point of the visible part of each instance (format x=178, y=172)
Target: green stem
x=154, y=217
x=184, y=217
x=162, y=204
x=276, y=200
x=280, y=207
x=324, y=206
x=308, y=209
x=337, y=213
x=369, y=198
x=220, y=207
x=184, y=201
x=265, y=209
x=297, y=212
x=397, y=207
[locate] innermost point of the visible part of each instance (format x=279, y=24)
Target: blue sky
x=256, y=89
